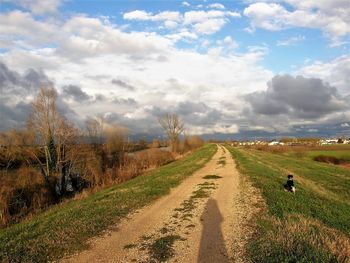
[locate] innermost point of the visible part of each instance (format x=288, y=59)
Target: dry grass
x=23, y=191
x=301, y=239
x=21, y=194
x=302, y=149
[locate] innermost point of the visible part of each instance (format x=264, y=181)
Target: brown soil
x=345, y=165
x=201, y=220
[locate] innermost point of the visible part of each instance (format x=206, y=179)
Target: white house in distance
x=334, y=141
x=274, y=143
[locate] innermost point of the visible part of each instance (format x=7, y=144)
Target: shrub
x=329, y=159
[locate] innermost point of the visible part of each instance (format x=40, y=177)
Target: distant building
x=274, y=143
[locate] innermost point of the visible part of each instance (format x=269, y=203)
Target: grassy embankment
x=65, y=228
x=337, y=157
x=311, y=226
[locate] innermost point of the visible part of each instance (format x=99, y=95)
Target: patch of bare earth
x=208, y=218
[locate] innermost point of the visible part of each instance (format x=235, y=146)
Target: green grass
x=65, y=228
x=161, y=250
x=300, y=227
x=344, y=155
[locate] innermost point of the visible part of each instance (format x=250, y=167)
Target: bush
x=329, y=159
x=22, y=193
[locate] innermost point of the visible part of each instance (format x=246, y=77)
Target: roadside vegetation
x=311, y=226
x=65, y=228
x=51, y=160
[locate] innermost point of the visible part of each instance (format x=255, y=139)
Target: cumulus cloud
x=336, y=72
x=291, y=41
x=21, y=29
x=144, y=16
x=75, y=93
x=14, y=84
x=203, y=22
x=17, y=93
x=77, y=38
x=210, y=26
x=299, y=97
x=122, y=84
x=128, y=101
x=216, y=6
x=332, y=17
x=94, y=37
x=207, y=89
x=38, y=6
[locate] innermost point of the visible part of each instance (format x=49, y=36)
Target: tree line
x=51, y=159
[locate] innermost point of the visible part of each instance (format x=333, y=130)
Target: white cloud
x=210, y=26
x=37, y=6
x=208, y=22
x=202, y=22
x=170, y=24
x=291, y=41
x=19, y=28
x=90, y=52
x=186, y=4
x=137, y=15
x=191, y=17
x=336, y=72
x=142, y=15
x=228, y=42
x=88, y=47
x=217, y=128
x=323, y=15
x=216, y=6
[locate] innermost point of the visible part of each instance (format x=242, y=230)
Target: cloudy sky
x=236, y=68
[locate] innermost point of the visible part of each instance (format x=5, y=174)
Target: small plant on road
x=162, y=248
x=212, y=176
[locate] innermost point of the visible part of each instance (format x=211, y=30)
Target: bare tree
x=173, y=127
x=95, y=128
x=116, y=143
x=55, y=137
x=45, y=117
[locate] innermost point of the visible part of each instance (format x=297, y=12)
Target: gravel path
x=205, y=219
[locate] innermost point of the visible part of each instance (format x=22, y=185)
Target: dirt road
x=202, y=220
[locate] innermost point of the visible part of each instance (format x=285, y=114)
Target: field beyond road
x=65, y=228
x=311, y=226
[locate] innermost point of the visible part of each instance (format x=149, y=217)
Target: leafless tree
x=44, y=117
x=116, y=143
x=55, y=136
x=173, y=127
x=95, y=128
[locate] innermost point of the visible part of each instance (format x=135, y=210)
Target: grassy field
x=311, y=226
x=65, y=228
x=340, y=154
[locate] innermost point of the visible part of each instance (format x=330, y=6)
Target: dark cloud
x=191, y=113
x=17, y=93
x=122, y=84
x=100, y=98
x=128, y=101
x=14, y=84
x=188, y=108
x=75, y=93
x=299, y=97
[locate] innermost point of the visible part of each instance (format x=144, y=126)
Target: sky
x=230, y=69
